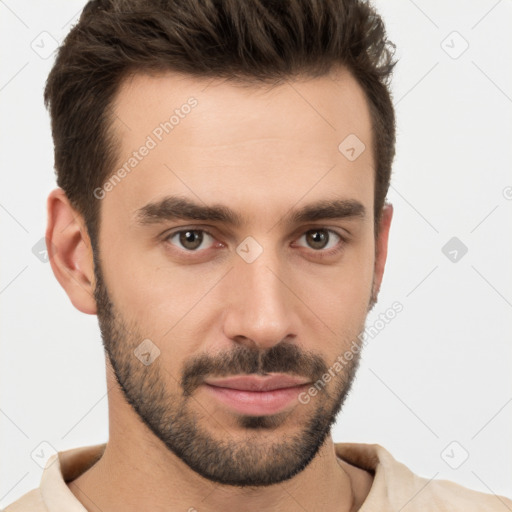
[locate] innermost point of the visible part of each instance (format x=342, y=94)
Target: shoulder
x=399, y=488
x=447, y=496
x=32, y=501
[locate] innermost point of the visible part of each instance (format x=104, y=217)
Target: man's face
x=260, y=292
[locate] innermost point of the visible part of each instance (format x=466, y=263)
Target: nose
x=260, y=309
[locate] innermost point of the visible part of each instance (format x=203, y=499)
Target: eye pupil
x=317, y=239
x=191, y=239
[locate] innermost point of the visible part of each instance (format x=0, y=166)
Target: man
x=223, y=169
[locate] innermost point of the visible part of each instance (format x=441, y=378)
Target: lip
x=258, y=382
x=256, y=395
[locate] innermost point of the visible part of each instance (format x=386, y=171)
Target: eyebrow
x=175, y=207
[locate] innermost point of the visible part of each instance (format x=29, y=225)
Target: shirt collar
x=64, y=467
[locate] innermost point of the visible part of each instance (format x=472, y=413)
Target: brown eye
x=320, y=239
x=317, y=239
x=190, y=239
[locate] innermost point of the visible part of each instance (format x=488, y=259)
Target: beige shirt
x=395, y=487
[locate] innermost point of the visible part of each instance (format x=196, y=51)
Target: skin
x=262, y=153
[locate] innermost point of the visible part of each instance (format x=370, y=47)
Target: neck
x=138, y=472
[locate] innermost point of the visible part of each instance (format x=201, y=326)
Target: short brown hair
x=250, y=41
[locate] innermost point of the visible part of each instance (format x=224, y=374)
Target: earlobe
x=70, y=251
x=381, y=249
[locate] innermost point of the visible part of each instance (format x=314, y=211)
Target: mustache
x=281, y=358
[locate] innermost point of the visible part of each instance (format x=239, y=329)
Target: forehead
x=331, y=103
x=218, y=141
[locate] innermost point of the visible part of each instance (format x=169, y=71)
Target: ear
x=381, y=249
x=70, y=251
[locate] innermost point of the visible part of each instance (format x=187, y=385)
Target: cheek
x=339, y=295
x=347, y=282
x=163, y=303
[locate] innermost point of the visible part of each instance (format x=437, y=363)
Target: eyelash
x=320, y=253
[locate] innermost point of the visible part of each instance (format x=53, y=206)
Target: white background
x=438, y=373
